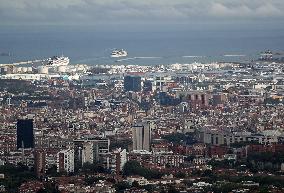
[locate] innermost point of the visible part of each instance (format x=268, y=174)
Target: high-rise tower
x=141, y=136
x=25, y=134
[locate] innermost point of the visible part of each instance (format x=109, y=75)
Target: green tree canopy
x=134, y=168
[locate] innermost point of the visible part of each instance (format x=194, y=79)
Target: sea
x=94, y=46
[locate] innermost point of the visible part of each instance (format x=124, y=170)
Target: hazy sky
x=143, y=12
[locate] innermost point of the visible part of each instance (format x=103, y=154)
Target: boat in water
x=118, y=53
x=268, y=56
x=5, y=54
x=58, y=61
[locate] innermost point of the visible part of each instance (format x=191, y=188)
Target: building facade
x=25, y=134
x=141, y=136
x=90, y=150
x=65, y=161
x=132, y=83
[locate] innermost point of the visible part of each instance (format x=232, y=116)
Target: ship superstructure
x=118, y=53
x=58, y=61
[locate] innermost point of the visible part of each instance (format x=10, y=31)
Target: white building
x=161, y=82
x=90, y=150
x=25, y=76
x=141, y=180
x=117, y=161
x=65, y=161
x=87, y=153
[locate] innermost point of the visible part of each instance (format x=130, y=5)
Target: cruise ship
x=58, y=61
x=118, y=53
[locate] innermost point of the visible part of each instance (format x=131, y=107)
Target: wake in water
x=147, y=57
x=91, y=59
x=161, y=59
x=135, y=58
x=193, y=56
x=234, y=55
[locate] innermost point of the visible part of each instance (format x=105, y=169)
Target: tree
x=180, y=175
x=225, y=187
x=89, y=168
x=134, y=168
x=131, y=168
x=121, y=186
x=51, y=188
x=135, y=184
x=52, y=171
x=89, y=181
x=15, y=175
x=41, y=191
x=207, y=173
x=172, y=189
x=149, y=187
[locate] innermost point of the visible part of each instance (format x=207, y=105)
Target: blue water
x=92, y=46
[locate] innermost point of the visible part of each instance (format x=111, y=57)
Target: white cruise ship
x=58, y=61
x=118, y=53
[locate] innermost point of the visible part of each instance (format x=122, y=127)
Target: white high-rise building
x=117, y=160
x=90, y=150
x=141, y=136
x=65, y=161
x=88, y=153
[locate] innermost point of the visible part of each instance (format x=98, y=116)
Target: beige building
x=141, y=136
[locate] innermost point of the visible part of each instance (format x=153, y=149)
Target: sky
x=146, y=13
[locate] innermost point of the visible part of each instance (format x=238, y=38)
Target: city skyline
x=151, y=96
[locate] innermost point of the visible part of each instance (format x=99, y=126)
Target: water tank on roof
x=24, y=69
x=61, y=68
x=30, y=69
x=19, y=70
x=43, y=70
